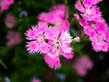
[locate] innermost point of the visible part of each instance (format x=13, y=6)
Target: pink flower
x=4, y=4
x=99, y=42
x=37, y=38
x=82, y=65
x=56, y=16
x=35, y=80
x=60, y=45
x=90, y=12
x=13, y=38
x=10, y=21
x=98, y=34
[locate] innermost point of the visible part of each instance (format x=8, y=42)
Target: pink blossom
x=10, y=21
x=82, y=65
x=35, y=80
x=98, y=34
x=60, y=45
x=99, y=42
x=56, y=16
x=4, y=4
x=13, y=38
x=37, y=38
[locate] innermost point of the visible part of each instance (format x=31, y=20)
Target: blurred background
x=17, y=65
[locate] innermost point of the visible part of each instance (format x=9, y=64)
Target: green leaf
x=1, y=62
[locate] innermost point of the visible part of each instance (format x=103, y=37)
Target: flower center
x=88, y=12
x=99, y=38
x=93, y=26
x=40, y=38
x=57, y=24
x=57, y=42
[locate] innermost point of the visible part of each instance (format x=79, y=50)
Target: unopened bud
x=77, y=39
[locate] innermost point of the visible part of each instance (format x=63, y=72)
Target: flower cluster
x=94, y=24
x=4, y=4
x=51, y=41
x=82, y=65
x=46, y=40
x=54, y=40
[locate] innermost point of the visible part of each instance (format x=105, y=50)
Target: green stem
x=79, y=27
x=53, y=2
x=65, y=1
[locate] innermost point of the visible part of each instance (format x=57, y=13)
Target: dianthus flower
x=56, y=17
x=82, y=65
x=60, y=45
x=36, y=36
x=98, y=34
x=99, y=41
x=10, y=21
x=4, y=4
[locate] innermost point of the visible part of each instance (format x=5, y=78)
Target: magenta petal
x=87, y=4
x=86, y=17
x=84, y=23
x=5, y=7
x=67, y=55
x=79, y=6
x=52, y=62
